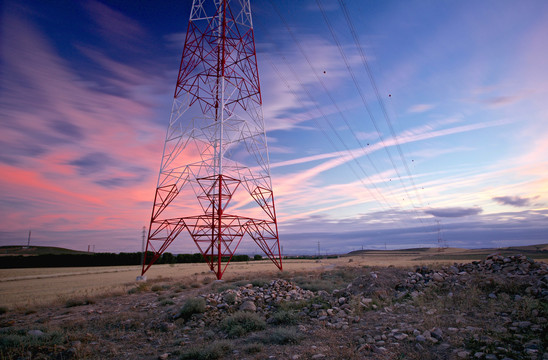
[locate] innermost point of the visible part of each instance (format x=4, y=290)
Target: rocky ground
x=493, y=309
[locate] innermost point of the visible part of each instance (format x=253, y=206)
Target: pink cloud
x=65, y=118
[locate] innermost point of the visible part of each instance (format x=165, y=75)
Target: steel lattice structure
x=216, y=142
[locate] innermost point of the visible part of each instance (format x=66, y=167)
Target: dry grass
x=143, y=324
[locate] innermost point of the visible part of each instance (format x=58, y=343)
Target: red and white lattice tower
x=215, y=149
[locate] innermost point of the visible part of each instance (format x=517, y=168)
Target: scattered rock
x=438, y=277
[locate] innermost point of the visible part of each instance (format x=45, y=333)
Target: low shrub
x=327, y=281
x=301, y=304
x=220, y=287
x=259, y=282
x=284, y=317
x=141, y=287
x=230, y=298
x=192, y=306
x=241, y=323
x=316, y=284
x=157, y=288
x=166, y=302
x=212, y=351
x=78, y=302
x=24, y=340
x=280, y=336
x=253, y=348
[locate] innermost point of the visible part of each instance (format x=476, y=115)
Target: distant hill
x=539, y=251
x=36, y=250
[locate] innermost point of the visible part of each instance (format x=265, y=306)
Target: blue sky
x=87, y=87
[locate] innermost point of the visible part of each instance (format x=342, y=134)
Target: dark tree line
x=99, y=259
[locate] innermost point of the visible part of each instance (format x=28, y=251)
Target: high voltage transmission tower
x=216, y=144
x=442, y=243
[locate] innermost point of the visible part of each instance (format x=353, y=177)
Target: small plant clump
x=156, y=288
x=212, y=351
x=29, y=340
x=283, y=317
x=166, y=302
x=230, y=298
x=192, y=306
x=241, y=323
x=259, y=282
x=141, y=287
x=253, y=348
x=78, y=302
x=280, y=336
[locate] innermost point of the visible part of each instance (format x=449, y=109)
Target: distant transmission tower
x=442, y=244
x=216, y=144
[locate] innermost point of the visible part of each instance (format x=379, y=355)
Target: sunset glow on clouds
x=85, y=97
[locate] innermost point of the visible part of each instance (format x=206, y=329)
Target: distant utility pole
x=143, y=247
x=441, y=244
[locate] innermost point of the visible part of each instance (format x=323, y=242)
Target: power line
x=295, y=76
x=309, y=62
x=362, y=96
x=380, y=100
x=295, y=40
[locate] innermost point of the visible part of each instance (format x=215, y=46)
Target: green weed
x=253, y=348
x=192, y=306
x=241, y=323
x=280, y=336
x=284, y=317
x=141, y=287
x=78, y=302
x=212, y=351
x=12, y=340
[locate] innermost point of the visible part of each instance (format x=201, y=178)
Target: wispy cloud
x=420, y=108
x=453, y=212
x=114, y=26
x=515, y=200
x=69, y=145
x=501, y=100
